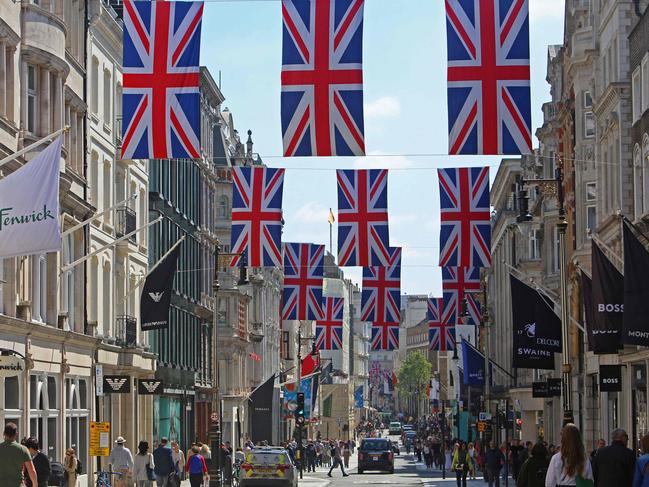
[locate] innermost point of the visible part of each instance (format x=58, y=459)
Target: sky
x=404, y=72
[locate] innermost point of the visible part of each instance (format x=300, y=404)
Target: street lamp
x=554, y=187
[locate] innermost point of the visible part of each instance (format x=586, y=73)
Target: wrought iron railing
x=126, y=223
x=126, y=330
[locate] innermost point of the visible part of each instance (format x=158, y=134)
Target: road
x=407, y=473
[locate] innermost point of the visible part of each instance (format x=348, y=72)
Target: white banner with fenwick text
x=29, y=206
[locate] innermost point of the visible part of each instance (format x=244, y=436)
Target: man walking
x=493, y=461
x=614, y=464
x=15, y=457
x=121, y=460
x=164, y=463
x=40, y=461
x=336, y=451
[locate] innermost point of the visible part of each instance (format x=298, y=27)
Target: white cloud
x=384, y=107
x=546, y=9
x=312, y=212
x=382, y=161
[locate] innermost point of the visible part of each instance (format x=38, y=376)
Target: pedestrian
x=571, y=461
x=601, y=443
x=493, y=461
x=143, y=466
x=178, y=458
x=70, y=464
x=535, y=468
x=40, y=461
x=641, y=474
x=319, y=448
x=428, y=456
x=337, y=459
x=346, y=454
x=310, y=455
x=472, y=454
x=197, y=468
x=326, y=454
x=15, y=459
x=164, y=464
x=461, y=464
x=515, y=454
x=615, y=464
x=121, y=461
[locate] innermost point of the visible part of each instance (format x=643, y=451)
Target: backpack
x=57, y=474
x=79, y=468
x=195, y=464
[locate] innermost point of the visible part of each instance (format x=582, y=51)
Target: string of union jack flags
x=489, y=113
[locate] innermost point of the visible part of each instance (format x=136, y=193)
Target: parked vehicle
x=376, y=454
x=268, y=467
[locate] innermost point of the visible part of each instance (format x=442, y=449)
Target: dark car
x=376, y=454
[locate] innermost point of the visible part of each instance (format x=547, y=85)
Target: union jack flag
x=489, y=108
x=303, y=280
x=322, y=78
x=160, y=101
x=329, y=332
x=363, y=238
x=458, y=283
x=385, y=335
x=257, y=215
x=465, y=235
x=381, y=296
x=441, y=331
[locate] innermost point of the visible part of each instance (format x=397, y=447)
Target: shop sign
x=99, y=445
x=11, y=365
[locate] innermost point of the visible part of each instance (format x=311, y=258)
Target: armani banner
x=117, y=384
x=607, y=303
x=156, y=295
x=610, y=378
x=537, y=329
x=636, y=290
x=147, y=387
x=261, y=411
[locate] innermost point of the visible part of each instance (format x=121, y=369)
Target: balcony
x=256, y=332
x=126, y=223
x=126, y=331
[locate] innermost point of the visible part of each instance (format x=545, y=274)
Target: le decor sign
x=11, y=365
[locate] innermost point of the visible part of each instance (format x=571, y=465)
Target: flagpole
x=157, y=264
x=94, y=217
x=66, y=268
x=30, y=147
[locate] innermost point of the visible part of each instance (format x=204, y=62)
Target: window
x=535, y=244
x=95, y=85
x=591, y=191
x=636, y=94
x=556, y=251
x=107, y=97
x=223, y=208
x=637, y=181
x=588, y=100
x=106, y=293
x=76, y=416
x=107, y=189
x=10, y=400
x=43, y=417
x=2, y=276
x=31, y=99
x=591, y=219
x=67, y=281
x=645, y=83
x=589, y=124
x=39, y=288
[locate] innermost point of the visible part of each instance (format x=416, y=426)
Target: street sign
x=99, y=439
x=482, y=426
x=484, y=416
x=99, y=379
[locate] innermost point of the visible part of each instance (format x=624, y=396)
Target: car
x=268, y=467
x=376, y=454
x=394, y=428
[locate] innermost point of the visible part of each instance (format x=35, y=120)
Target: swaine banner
x=636, y=290
x=537, y=329
x=29, y=206
x=607, y=303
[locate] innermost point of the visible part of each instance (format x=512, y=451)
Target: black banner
x=156, y=296
x=554, y=387
x=587, y=295
x=607, y=305
x=537, y=329
x=540, y=389
x=636, y=290
x=610, y=378
x=117, y=384
x=149, y=387
x=261, y=412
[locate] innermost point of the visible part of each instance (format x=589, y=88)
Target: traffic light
x=299, y=410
